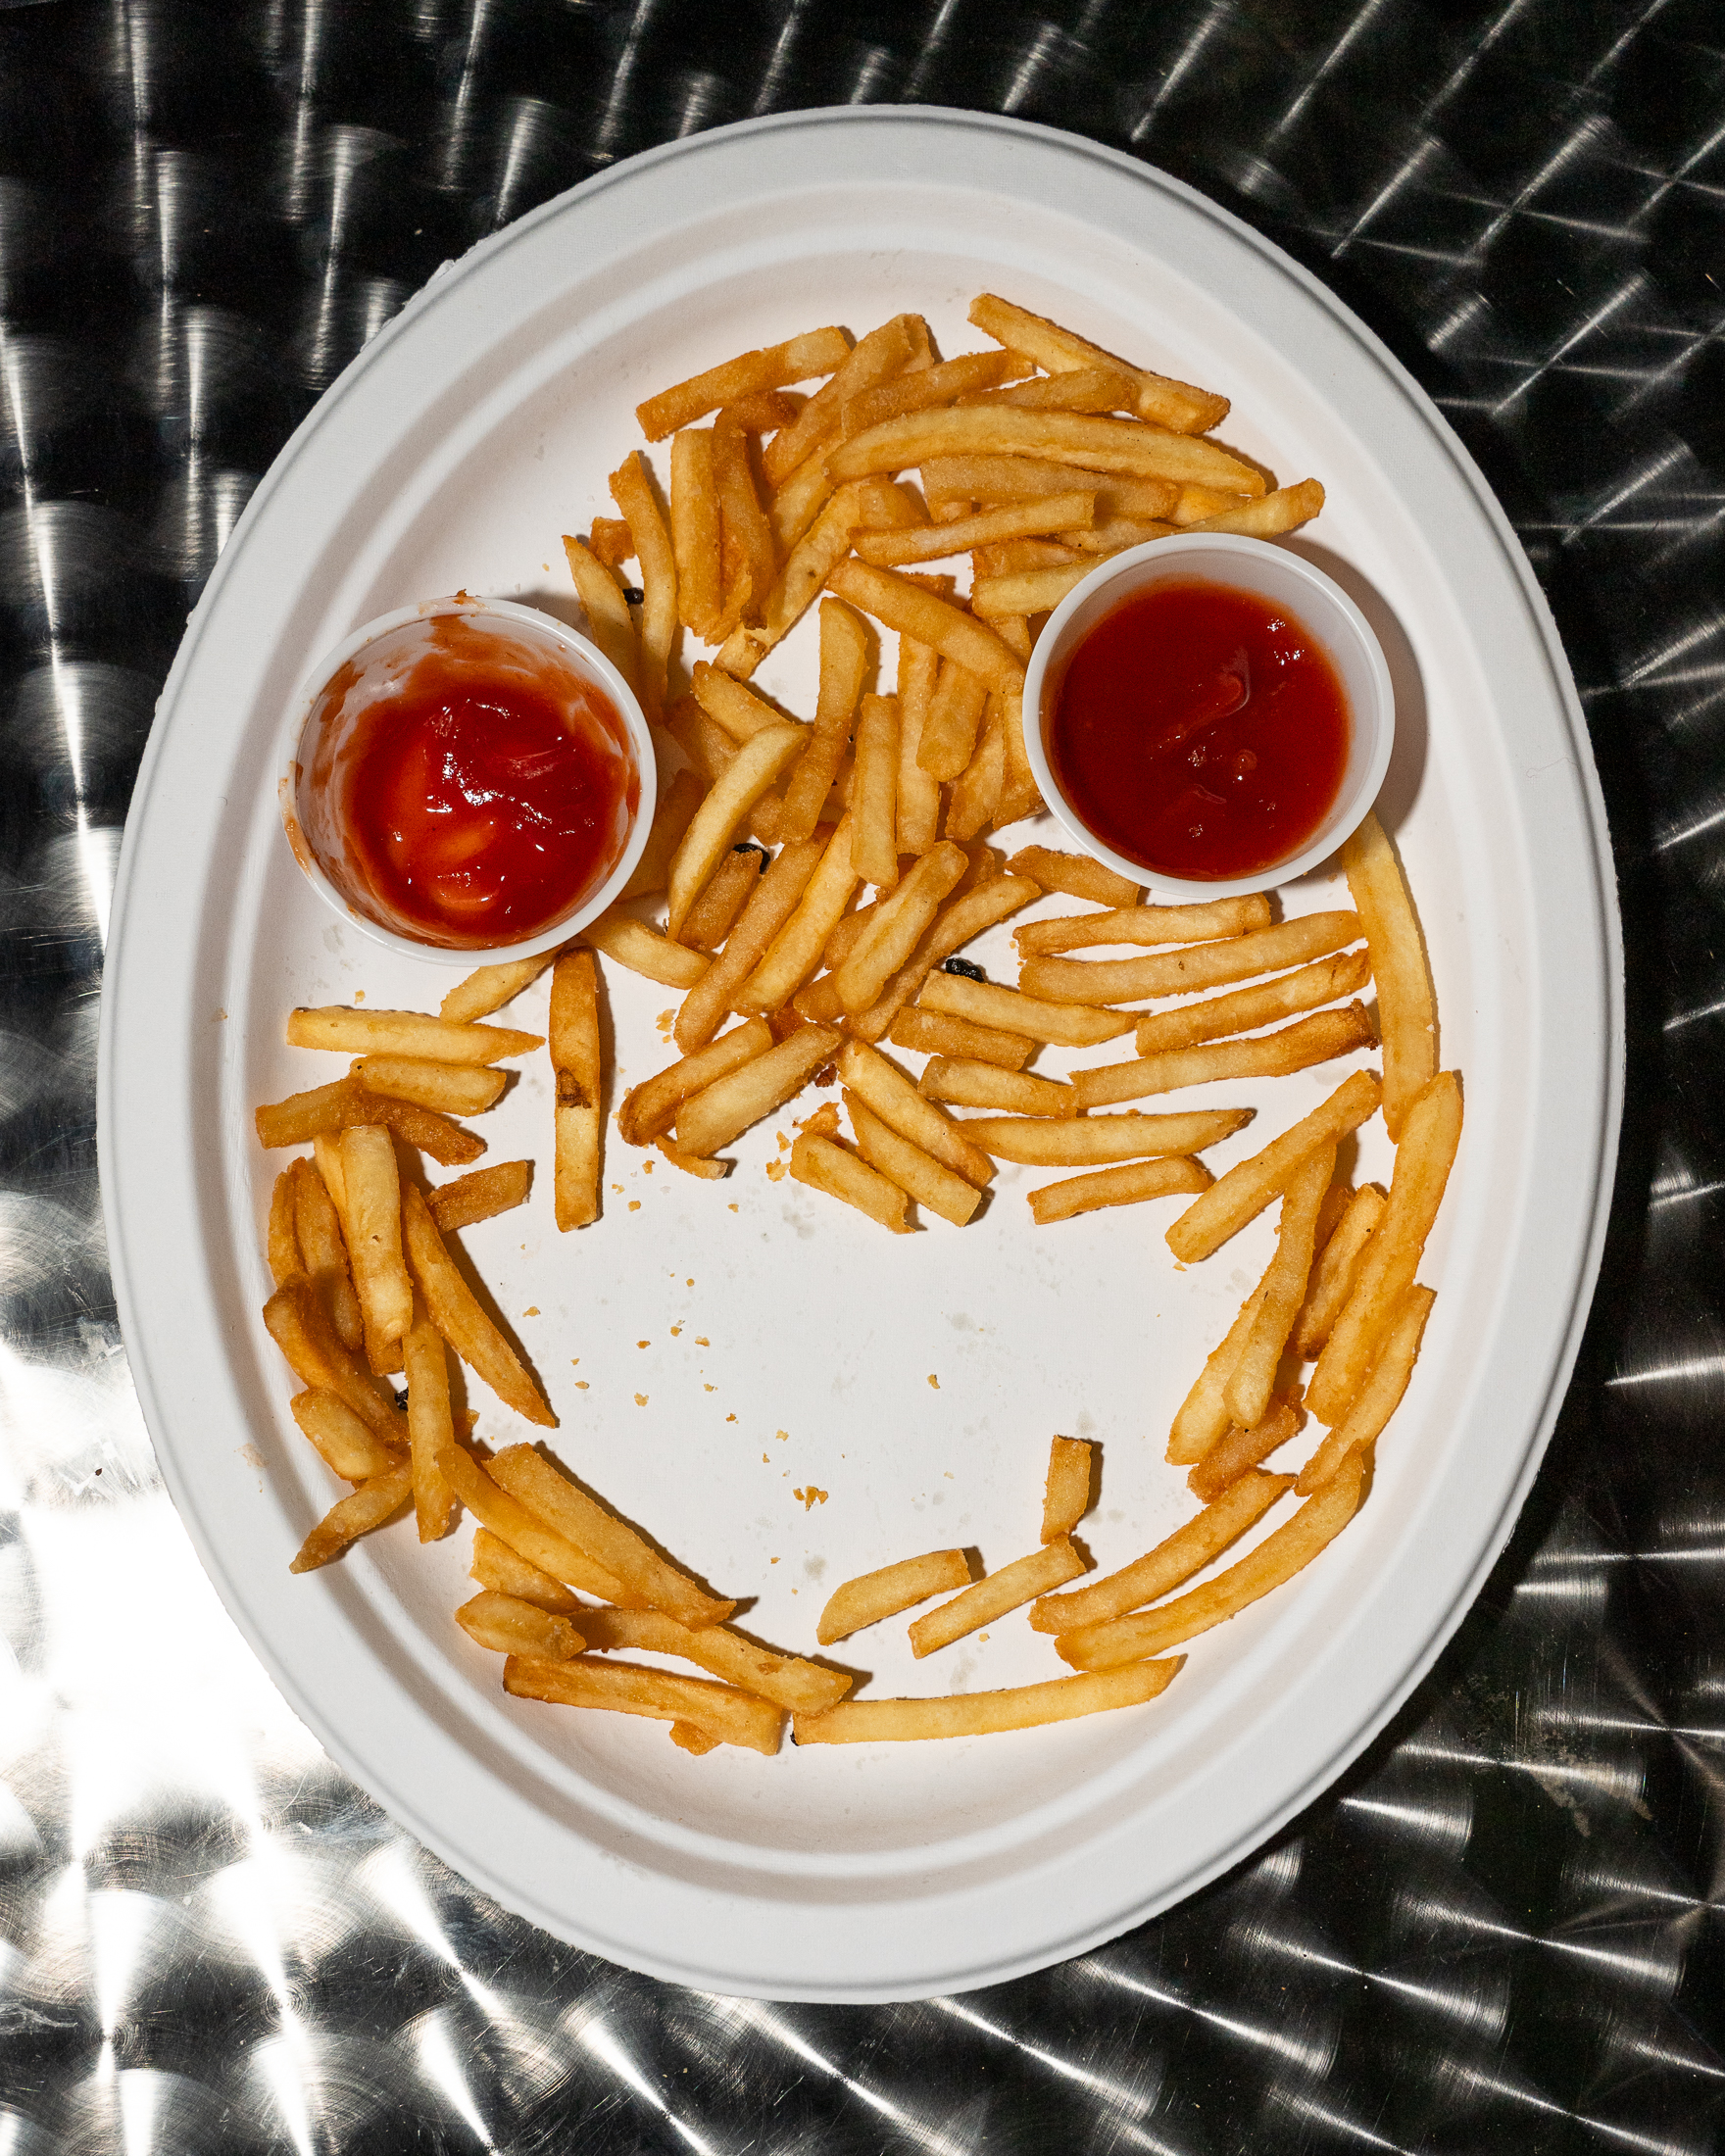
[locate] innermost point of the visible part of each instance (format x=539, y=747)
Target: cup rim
x=1353, y=803
x=588, y=657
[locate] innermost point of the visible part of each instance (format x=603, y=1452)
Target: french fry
x=1270, y=515
x=1085, y=1141
x=709, y=920
x=1319, y=1039
x=795, y=951
x=917, y=1173
x=1203, y=965
x=746, y=533
x=490, y=988
x=1009, y=1588
x=817, y=352
x=578, y=1118
x=963, y=917
x=695, y=529
x=968, y=1085
x=608, y=619
x=774, y=899
x=1010, y=1010
x=374, y=1225
x=1430, y=1135
x=611, y=541
x=455, y=1311
x=784, y=1678
x=897, y=925
x=1079, y=390
x=985, y=1713
x=1201, y=1419
x=569, y=1512
x=369, y=1507
x=1139, y=449
x=826, y=1167
x=918, y=794
x=412, y=1032
x=1170, y=403
x=709, y=1171
x=1144, y=925
x=955, y=718
x=933, y=385
x=1074, y=875
x=507, y=1626
x=430, y=1425
x=1248, y=1186
x=883, y=352
x=798, y=584
x=1066, y=1496
x=346, y=1445
x=733, y=705
x=757, y=766
x=882, y=1087
x=632, y=492
x=325, y=1111
x=874, y=1595
x=526, y=1534
x=454, y=1088
x=718, y=1711
x=645, y=950
x=724, y=1109
x=1194, y=504
x=1175, y=1559
x=936, y=1032
x=874, y=820
x=949, y=481
x=298, y=1325
x=914, y=611
x=507, y=1572
x=884, y=505
x=687, y=1738
x=1334, y=1274
x=1282, y=1291
x=1027, y=591
x=1378, y=1397
x=1275, y=1561
x=1219, y=1017
x=281, y=1241
x=800, y=501
x=672, y=818
x=1407, y=1005
x=482, y=1196
x=844, y=663
x=650, y=1110
x=1018, y=521
x=1239, y=1450
x=1130, y=1184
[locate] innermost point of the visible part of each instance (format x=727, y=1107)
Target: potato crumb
x=617, y=1187
x=532, y=1310
x=665, y=1020
x=710, y=1388
x=764, y=1455
x=730, y=1418
x=701, y=1340
x=634, y=1204
x=783, y=1435
x=359, y=994
x=643, y=1343
x=980, y=1636
x=775, y=1173
x=675, y=1331
x=646, y=1167
x=934, y=1381
x=772, y=1561
x=808, y=1498
x=580, y=1385
x=784, y=1143
x=640, y=1400
x=691, y=1284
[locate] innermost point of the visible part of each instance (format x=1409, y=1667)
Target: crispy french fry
x=936, y=1032
x=733, y=705
x=454, y=1088
x=1085, y=1141
x=964, y=917
x=611, y=541
x=918, y=794
x=709, y=1171
x=1186, y=1551
x=724, y=1109
x=1071, y=1025
x=1219, y=1017
x=412, y=1033
x=507, y=1572
x=1028, y=590
x=1270, y=515
x=1248, y=1186
x=526, y=1534
x=672, y=818
x=325, y=1111
x=933, y=385
x=1018, y=521
x=968, y=1085
x=354, y=1451
x=1074, y=875
x=694, y=528
x=1079, y=390
x=281, y=1239
x=817, y=352
x=796, y=951
x=578, y=1518
x=774, y=899
x=881, y=1086
x=896, y=926
x=482, y=1196
x=757, y=766
x=844, y=663
x=490, y=988
x=797, y=586
x=954, y=717
x=958, y=482
x=632, y=492
x=687, y=1738
x=1378, y=1397
x=507, y=1626
x=430, y=1425
x=874, y=1595
x=374, y=1225
x=326, y=1158
x=1334, y=1274
x=1237, y=1450
x=914, y=611
x=645, y=950
x=1130, y=1184
x=1194, y=504
x=455, y=1311
x=718, y=1711
x=1430, y=1136
x=1201, y=1419
x=800, y=501
x=298, y=1325
x=784, y=1678
x=883, y=506
x=746, y=533
x=1407, y=1005
x=1066, y=1496
x=578, y=1116
x=824, y=1165
x=874, y=821
x=608, y=612
x=1275, y=1561
x=917, y=1173
x=650, y=1110
x=1282, y=1291
x=1203, y=965
x=369, y=1507
x=1144, y=925
x=876, y=358
x=1139, y=449
x=985, y=1713
x=1315, y=1040
x=1170, y=403
x=1009, y=1588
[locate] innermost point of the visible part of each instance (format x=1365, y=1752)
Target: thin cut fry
x=732, y=703
x=1141, y=449
x=507, y=1626
x=644, y=950
x=726, y=1108
x=672, y=818
x=1143, y=924
x=881, y=1086
x=482, y=1196
x=694, y=528
x=1282, y=1291
x=1186, y=1551
x=363, y=1032
x=746, y=535
x=1408, y=1009
x=374, y=1228
x=875, y=817
x=938, y=1033
x=963, y=917
x=897, y=926
x=369, y=1507
x=784, y=1678
x=633, y=495
x=1246, y=1008
x=454, y=1088
x=650, y=1110
x=1079, y=390
x=578, y=1126
x=608, y=611
x=968, y=1085
x=824, y=1165
x=817, y=352
x=1018, y=521
x=1378, y=1397
x=456, y=1315
x=1027, y=591
x=1086, y=1141
x=955, y=483
x=430, y=1426
x=1203, y=1415
x=729, y=890
x=757, y=766
x=918, y=795
x=1239, y=1450
x=281, y=1243
x=1130, y=1184
x=491, y=986
x=1203, y=965
x=327, y=1110
x=1248, y=1186
x=844, y=663
x=355, y=1452
x=1071, y=1025
x=1319, y=1039
x=526, y=1534
x=1009, y=1588
x=298, y=1325
x=718, y=1711
x=504, y=1570
x=799, y=582
x=915, y=1172
x=1337, y=1267
x=874, y=1595
x=985, y=1713
x=1074, y=875
x=1270, y=515
x=800, y=501
x=1174, y=404
x=796, y=951
x=913, y=612
x=1066, y=1496
x=933, y=385
x=774, y=901
x=882, y=353
x=954, y=715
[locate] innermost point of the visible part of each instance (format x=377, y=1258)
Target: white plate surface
x=788, y=1342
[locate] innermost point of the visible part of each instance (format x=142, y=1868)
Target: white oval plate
x=787, y=1346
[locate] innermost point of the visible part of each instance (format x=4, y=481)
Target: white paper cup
x=1285, y=579
x=381, y=653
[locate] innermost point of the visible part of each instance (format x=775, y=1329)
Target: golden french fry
x=1087, y=1140
x=1079, y=390
x=1201, y=1418
x=326, y=1158
x=608, y=612
x=578, y=1119
x=1270, y=515
x=1018, y=521
x=824, y=1165
x=650, y=1110
x=480, y=1195
x=370, y=1505
x=298, y=1325
x=724, y=1109
x=456, y=1315
x=1378, y=1397
x=918, y=794
x=914, y=611
x=746, y=533
x=709, y=1171
x=281, y=1241
x=935, y=1033
x=1248, y=1186
x=687, y=1738
x=874, y=820
x=1337, y=1267
x=327, y=1110
x=1430, y=1136
x=1140, y=449
x=504, y=1570
x=412, y=1033
x=1309, y=1041
x=1194, y=504
x=632, y=492
x=969, y=1085
x=985, y=1713
x=797, y=586
x=1028, y=590
x=673, y=816
x=733, y=705
x=430, y=1425
x=1009, y=1588
x=1111, y=534
x=645, y=950
x=1066, y=1496
x=796, y=951
x=694, y=528
x=354, y=1451
x=976, y=795
x=874, y=1595
x=1071, y=1025
x=611, y=541
x=896, y=926
x=1172, y=404
x=718, y=1711
x=775, y=899
x=881, y=1086
x=954, y=717
x=964, y=917
x=1239, y=1450
x=955, y=483
x=876, y=358
x=817, y=352
x=456, y=1088
x=1275, y=1561
x=507, y=1626
x=1203, y=965
x=844, y=663
x=1242, y=1010
x=1407, y=1010
x=800, y=501
x=490, y=988
x=374, y=1225
x=526, y=1534
x=1186, y=1551
x=1129, y=1184
x=784, y=1678
x=1144, y=925
x=933, y=385
x=917, y=1173
x=1281, y=1290
x=1074, y=875
x=883, y=506
x=717, y=822
x=569, y=1512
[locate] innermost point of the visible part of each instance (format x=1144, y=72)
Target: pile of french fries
x=1036, y=459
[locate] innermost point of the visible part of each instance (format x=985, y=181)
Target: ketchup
x=1201, y=731
x=483, y=795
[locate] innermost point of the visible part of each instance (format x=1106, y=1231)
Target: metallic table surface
x=1505, y=1929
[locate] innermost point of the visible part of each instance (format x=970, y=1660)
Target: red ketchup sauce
x=1201, y=731
x=483, y=798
